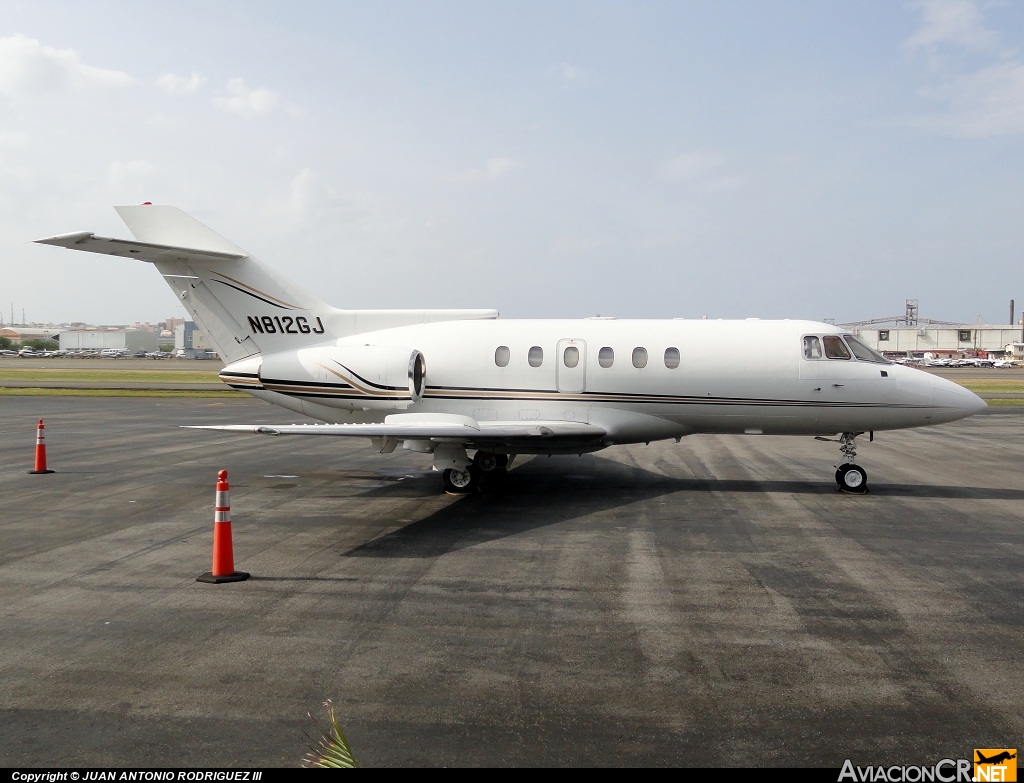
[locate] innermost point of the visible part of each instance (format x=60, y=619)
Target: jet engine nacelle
x=348, y=376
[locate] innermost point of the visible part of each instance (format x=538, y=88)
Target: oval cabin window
x=605, y=357
x=536, y=357
x=501, y=356
x=672, y=358
x=571, y=356
x=639, y=358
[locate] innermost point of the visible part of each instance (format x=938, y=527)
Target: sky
x=547, y=158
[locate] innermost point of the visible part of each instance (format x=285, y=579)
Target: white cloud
x=568, y=74
x=26, y=66
x=300, y=194
x=493, y=169
x=988, y=102
x=985, y=101
x=173, y=83
x=245, y=101
x=309, y=204
x=956, y=22
x=690, y=166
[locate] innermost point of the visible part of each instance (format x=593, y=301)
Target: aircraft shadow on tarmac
x=538, y=494
x=551, y=481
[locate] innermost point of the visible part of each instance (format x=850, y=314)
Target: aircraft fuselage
x=640, y=380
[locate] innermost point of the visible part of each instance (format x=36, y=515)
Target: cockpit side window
x=835, y=348
x=812, y=347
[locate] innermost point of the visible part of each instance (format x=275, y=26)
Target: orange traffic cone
x=223, y=556
x=40, y=451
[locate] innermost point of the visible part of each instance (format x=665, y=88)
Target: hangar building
x=97, y=339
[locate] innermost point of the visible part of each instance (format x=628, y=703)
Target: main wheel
x=852, y=478
x=488, y=462
x=485, y=461
x=459, y=481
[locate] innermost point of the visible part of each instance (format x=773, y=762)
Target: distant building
x=947, y=340
x=98, y=339
x=193, y=343
x=171, y=324
x=20, y=334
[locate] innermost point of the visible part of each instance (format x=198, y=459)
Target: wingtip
x=64, y=240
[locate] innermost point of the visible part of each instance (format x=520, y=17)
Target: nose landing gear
x=850, y=477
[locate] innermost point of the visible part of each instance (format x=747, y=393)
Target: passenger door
x=570, y=374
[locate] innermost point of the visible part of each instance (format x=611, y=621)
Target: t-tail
x=243, y=307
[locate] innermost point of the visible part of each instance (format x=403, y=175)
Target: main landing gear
x=851, y=477
x=465, y=480
x=460, y=481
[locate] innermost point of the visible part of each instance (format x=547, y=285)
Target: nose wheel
x=852, y=478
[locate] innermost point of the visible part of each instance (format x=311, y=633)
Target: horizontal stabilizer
x=127, y=248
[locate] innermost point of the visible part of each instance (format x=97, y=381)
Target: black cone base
x=237, y=576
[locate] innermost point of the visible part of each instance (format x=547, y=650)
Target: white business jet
x=451, y=382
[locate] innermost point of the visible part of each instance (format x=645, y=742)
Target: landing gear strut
x=849, y=476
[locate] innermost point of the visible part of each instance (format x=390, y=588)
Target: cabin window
x=571, y=356
x=536, y=357
x=672, y=358
x=812, y=347
x=605, y=357
x=639, y=358
x=501, y=356
x=835, y=348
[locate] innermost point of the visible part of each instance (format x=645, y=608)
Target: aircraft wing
x=129, y=248
x=435, y=427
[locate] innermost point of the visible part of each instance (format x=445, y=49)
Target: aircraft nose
x=954, y=401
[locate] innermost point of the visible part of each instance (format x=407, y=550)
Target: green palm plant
x=328, y=749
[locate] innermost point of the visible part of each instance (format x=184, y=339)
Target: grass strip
x=57, y=374
x=40, y=392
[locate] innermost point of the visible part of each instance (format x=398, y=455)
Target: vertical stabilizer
x=243, y=307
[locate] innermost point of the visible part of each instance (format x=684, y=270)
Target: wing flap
x=129, y=248
x=421, y=427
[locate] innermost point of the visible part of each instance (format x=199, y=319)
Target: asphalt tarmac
x=711, y=603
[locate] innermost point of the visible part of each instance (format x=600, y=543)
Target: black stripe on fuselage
x=325, y=390
x=263, y=299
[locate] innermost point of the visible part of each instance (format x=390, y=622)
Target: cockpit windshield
x=864, y=352
x=834, y=346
